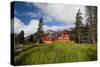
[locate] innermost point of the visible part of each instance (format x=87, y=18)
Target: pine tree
x=21, y=37
x=40, y=31
x=78, y=27
x=31, y=38
x=91, y=21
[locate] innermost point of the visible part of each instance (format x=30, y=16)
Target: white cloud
x=28, y=29
x=17, y=25
x=31, y=28
x=54, y=28
x=60, y=12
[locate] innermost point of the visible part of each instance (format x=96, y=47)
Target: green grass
x=57, y=53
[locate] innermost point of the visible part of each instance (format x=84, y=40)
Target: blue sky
x=55, y=16
x=23, y=11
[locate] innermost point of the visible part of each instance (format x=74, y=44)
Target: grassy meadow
x=56, y=52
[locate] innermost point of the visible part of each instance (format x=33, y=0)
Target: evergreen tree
x=31, y=38
x=21, y=37
x=91, y=21
x=38, y=35
x=79, y=27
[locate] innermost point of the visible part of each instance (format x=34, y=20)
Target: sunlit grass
x=57, y=52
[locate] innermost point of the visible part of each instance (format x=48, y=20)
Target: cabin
x=47, y=39
x=64, y=37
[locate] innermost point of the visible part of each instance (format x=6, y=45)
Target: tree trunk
x=93, y=39
x=79, y=39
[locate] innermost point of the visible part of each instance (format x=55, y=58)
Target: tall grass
x=57, y=53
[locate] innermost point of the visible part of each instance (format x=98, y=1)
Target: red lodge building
x=63, y=37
